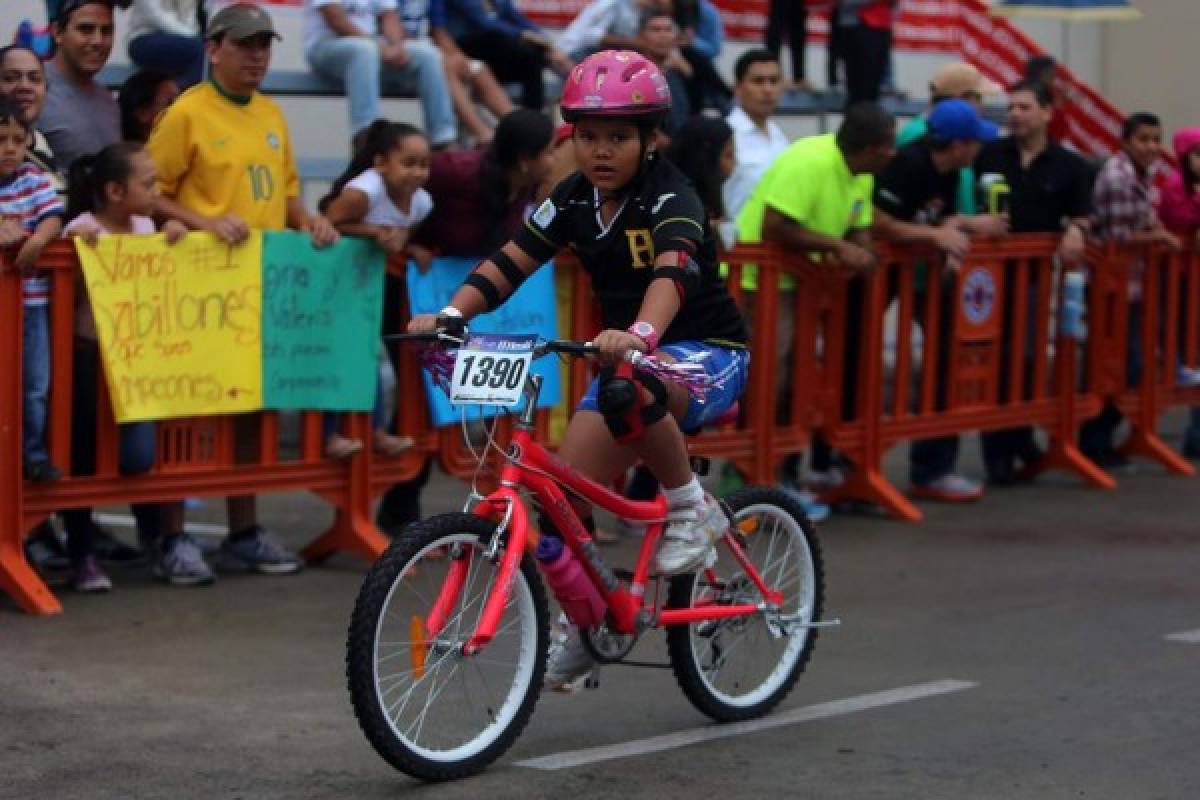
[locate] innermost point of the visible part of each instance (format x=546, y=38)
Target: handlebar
x=688, y=374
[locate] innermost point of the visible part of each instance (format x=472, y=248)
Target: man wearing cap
x=80, y=116
x=956, y=80
x=225, y=165
x=915, y=202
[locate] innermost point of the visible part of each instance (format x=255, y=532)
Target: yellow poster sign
x=180, y=326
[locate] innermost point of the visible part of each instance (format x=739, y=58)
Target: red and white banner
x=965, y=27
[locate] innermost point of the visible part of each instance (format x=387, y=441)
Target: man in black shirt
x=1049, y=191
x=915, y=202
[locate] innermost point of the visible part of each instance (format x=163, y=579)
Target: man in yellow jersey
x=815, y=198
x=225, y=166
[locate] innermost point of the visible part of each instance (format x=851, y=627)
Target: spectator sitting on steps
x=362, y=44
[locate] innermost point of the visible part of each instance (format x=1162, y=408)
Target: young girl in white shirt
x=380, y=196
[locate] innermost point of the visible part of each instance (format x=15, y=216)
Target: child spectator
x=144, y=95
x=112, y=192
x=31, y=217
x=1123, y=214
x=380, y=195
x=1178, y=207
x=164, y=35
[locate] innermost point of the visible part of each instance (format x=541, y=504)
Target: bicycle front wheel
x=427, y=709
x=741, y=667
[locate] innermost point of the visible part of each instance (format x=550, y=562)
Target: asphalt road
x=1025, y=637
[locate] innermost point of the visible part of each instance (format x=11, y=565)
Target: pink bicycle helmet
x=615, y=83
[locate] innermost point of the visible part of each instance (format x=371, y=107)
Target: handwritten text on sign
x=322, y=311
x=179, y=326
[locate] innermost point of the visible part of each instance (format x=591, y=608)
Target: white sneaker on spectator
x=180, y=563
x=950, y=488
x=814, y=509
x=259, y=552
x=689, y=536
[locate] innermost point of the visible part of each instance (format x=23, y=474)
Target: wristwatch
x=645, y=331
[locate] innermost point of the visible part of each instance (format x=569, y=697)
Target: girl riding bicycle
x=640, y=231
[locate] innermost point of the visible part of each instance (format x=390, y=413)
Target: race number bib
x=490, y=369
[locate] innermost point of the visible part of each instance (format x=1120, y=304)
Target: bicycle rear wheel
x=427, y=709
x=741, y=667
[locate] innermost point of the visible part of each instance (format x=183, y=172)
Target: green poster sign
x=321, y=318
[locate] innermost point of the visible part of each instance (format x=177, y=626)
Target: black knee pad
x=620, y=401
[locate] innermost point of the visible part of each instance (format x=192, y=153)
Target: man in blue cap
x=915, y=202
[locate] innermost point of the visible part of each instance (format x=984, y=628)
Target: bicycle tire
x=697, y=679
x=380, y=604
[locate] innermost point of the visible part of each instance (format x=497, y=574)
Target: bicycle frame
x=629, y=612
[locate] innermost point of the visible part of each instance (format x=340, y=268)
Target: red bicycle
x=446, y=655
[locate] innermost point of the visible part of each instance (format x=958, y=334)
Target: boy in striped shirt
x=30, y=218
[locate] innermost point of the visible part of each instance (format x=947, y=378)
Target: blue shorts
x=729, y=368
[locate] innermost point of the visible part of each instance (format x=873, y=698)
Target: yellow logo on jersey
x=641, y=248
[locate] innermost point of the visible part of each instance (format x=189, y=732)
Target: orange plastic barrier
x=988, y=357
x=196, y=457
x=1165, y=287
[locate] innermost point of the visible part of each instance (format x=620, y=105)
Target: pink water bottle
x=577, y=595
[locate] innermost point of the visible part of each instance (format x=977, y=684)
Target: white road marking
x=671, y=741
x=126, y=521
x=1186, y=637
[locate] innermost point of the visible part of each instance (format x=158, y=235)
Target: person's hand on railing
x=855, y=257
x=1164, y=237
x=1072, y=248
x=993, y=226
x=953, y=242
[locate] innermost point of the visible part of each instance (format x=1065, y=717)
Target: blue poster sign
x=531, y=310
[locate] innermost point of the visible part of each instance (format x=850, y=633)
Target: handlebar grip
x=572, y=348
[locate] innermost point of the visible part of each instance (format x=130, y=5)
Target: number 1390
x=493, y=372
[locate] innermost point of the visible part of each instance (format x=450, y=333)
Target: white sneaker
x=689, y=536
x=567, y=661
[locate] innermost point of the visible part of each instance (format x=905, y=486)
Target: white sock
x=690, y=494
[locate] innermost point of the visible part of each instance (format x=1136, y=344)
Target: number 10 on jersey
x=490, y=369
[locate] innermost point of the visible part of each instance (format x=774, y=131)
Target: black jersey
x=661, y=214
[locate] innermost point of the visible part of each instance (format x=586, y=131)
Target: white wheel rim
x=485, y=690
x=789, y=569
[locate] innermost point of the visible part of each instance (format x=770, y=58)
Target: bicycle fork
x=508, y=545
